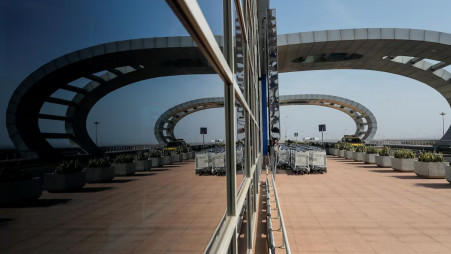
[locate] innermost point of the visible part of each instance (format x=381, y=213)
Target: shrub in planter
x=156, y=158
x=17, y=186
x=99, y=170
x=430, y=165
x=68, y=176
x=360, y=151
x=384, y=158
x=335, y=149
x=167, y=157
x=370, y=156
x=341, y=150
x=123, y=165
x=142, y=163
x=448, y=173
x=176, y=156
x=403, y=161
x=350, y=149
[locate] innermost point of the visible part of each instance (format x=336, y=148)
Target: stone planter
x=341, y=153
x=124, y=169
x=430, y=169
x=448, y=173
x=383, y=161
x=167, y=160
x=19, y=192
x=185, y=156
x=349, y=155
x=175, y=158
x=328, y=151
x=192, y=155
x=99, y=175
x=370, y=158
x=403, y=165
x=64, y=182
x=359, y=156
x=335, y=151
x=143, y=165
x=157, y=162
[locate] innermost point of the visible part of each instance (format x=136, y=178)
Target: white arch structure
x=366, y=124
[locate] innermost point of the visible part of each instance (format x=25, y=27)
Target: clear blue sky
x=35, y=32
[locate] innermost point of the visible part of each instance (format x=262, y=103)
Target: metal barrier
x=270, y=235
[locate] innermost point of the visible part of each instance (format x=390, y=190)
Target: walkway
x=360, y=208
x=169, y=210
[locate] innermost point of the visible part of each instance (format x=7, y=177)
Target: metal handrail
x=215, y=234
x=270, y=234
x=285, y=244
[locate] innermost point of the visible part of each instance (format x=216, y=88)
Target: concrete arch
x=126, y=62
x=165, y=125
x=398, y=51
x=120, y=64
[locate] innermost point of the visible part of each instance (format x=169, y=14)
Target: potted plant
x=167, y=157
x=403, y=160
x=334, y=150
x=68, y=176
x=176, y=156
x=156, y=158
x=341, y=149
x=123, y=165
x=448, y=173
x=384, y=158
x=186, y=149
x=142, y=163
x=370, y=156
x=17, y=186
x=430, y=165
x=99, y=171
x=360, y=151
x=350, y=149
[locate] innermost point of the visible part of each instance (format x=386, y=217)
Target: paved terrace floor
x=167, y=210
x=360, y=208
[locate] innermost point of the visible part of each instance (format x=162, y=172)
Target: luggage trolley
x=202, y=164
x=284, y=157
x=300, y=161
x=318, y=161
x=218, y=163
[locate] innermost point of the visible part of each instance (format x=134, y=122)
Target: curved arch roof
x=165, y=125
x=392, y=50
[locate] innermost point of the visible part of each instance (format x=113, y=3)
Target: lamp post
x=443, y=122
x=96, y=123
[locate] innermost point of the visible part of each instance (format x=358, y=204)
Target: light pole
x=96, y=123
x=286, y=120
x=443, y=122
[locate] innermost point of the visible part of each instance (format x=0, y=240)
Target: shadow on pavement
x=92, y=189
x=5, y=222
x=382, y=171
x=121, y=180
x=444, y=185
x=39, y=203
x=406, y=177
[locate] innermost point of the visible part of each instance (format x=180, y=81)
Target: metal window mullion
x=241, y=20
x=243, y=101
x=195, y=23
x=229, y=106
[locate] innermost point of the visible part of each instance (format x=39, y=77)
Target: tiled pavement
x=354, y=208
x=360, y=208
x=170, y=210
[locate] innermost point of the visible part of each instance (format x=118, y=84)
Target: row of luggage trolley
x=302, y=159
x=212, y=161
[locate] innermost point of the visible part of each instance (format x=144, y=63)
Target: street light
x=443, y=122
x=96, y=123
